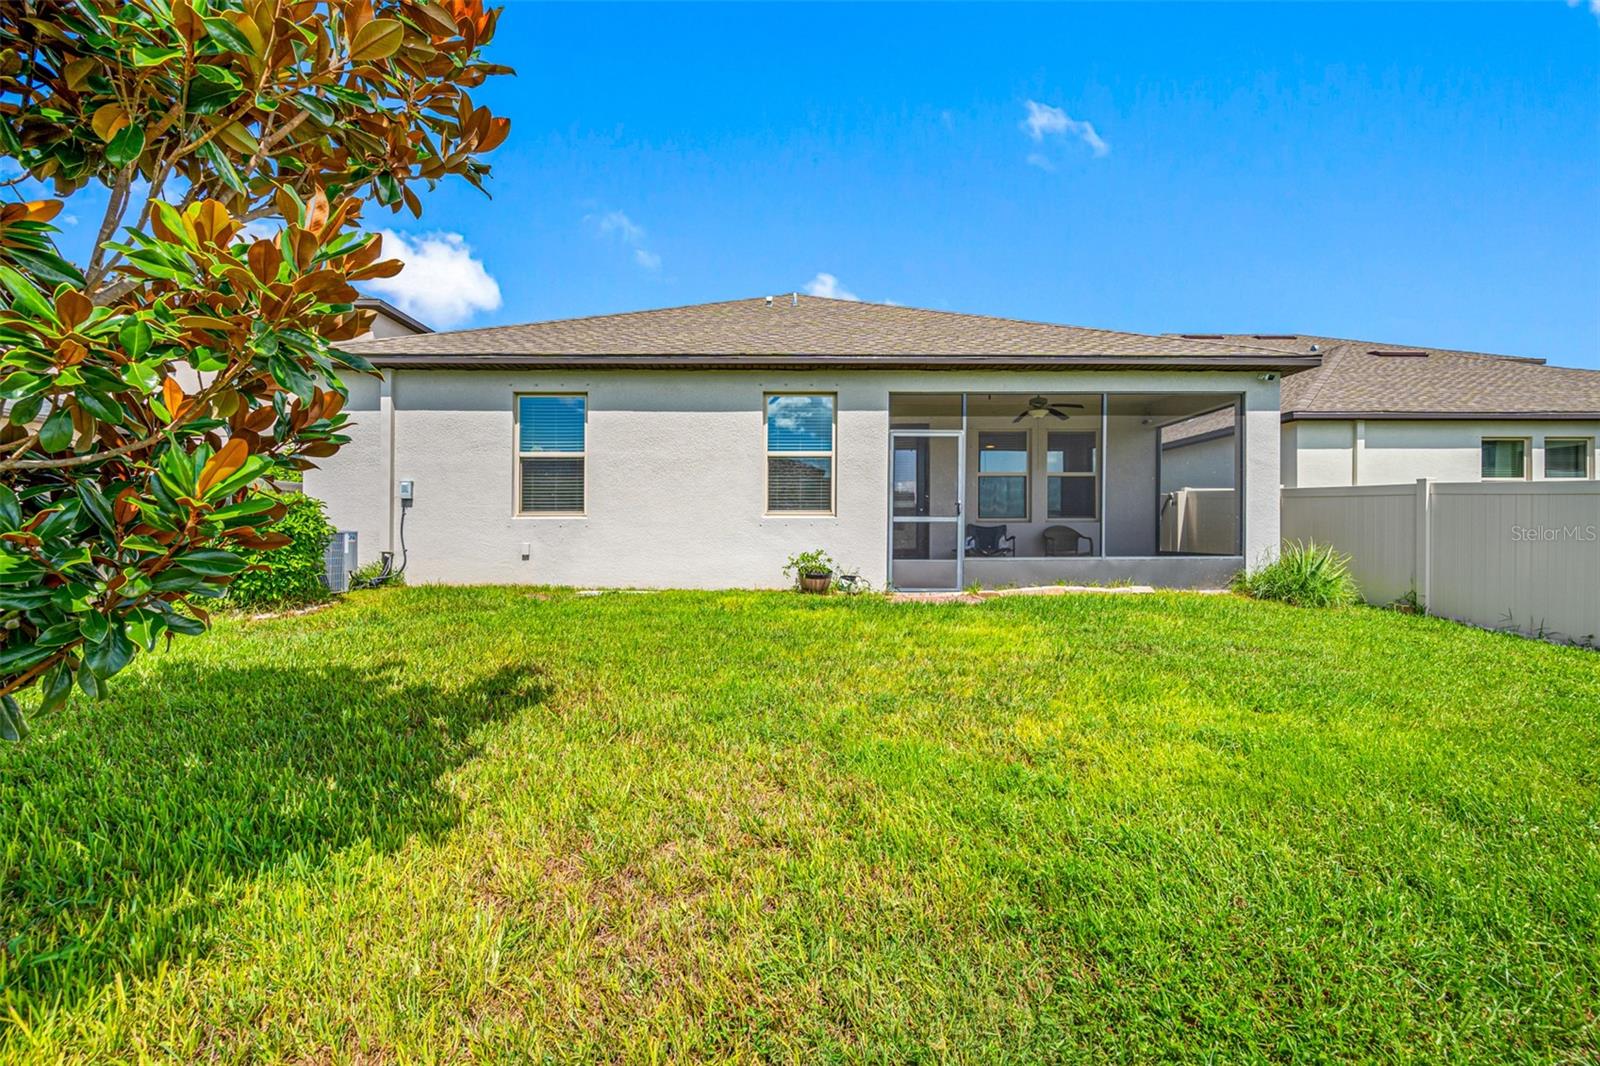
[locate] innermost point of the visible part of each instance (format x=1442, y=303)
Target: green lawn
x=447, y=825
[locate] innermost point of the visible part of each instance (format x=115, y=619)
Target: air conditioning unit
x=339, y=561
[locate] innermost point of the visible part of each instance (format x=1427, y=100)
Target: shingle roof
x=810, y=328
x=1401, y=380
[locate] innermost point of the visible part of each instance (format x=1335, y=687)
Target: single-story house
x=702, y=446
x=1386, y=414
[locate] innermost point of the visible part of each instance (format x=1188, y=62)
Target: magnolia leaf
x=56, y=433
x=135, y=338
x=220, y=466
x=43, y=210
x=13, y=726
x=78, y=71
x=125, y=147
x=211, y=562
x=228, y=35
x=46, y=266
x=172, y=396
x=57, y=687
x=378, y=39
x=109, y=656
x=107, y=120
x=24, y=297
x=186, y=22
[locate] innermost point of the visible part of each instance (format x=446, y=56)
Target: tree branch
x=115, y=206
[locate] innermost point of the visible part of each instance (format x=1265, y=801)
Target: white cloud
x=1593, y=6
x=442, y=283
x=1040, y=160
x=617, y=225
x=1044, y=120
x=828, y=286
x=623, y=226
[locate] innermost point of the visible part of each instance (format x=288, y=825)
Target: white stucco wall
x=1205, y=464
x=1333, y=453
x=676, y=472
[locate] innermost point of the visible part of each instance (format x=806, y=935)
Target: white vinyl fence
x=1505, y=555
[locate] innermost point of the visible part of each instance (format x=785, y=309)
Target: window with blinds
x=550, y=454
x=800, y=429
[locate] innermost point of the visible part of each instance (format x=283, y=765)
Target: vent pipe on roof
x=794, y=299
x=769, y=301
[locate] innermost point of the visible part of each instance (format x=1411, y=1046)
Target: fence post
x=1422, y=557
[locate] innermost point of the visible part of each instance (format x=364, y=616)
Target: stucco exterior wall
x=1332, y=453
x=676, y=472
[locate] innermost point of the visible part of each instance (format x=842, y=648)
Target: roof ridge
x=1210, y=346
x=1037, y=322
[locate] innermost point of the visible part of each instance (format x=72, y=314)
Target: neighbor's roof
x=1363, y=379
x=372, y=303
x=810, y=331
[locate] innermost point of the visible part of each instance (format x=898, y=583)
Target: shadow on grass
x=122, y=824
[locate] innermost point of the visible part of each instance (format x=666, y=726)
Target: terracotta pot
x=817, y=583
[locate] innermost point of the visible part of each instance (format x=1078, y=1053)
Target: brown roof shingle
x=810, y=327
x=1363, y=378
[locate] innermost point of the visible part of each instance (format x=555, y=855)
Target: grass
x=437, y=825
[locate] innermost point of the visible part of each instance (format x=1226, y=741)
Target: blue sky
x=1422, y=174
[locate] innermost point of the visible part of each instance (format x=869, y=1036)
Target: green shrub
x=294, y=571
x=1306, y=575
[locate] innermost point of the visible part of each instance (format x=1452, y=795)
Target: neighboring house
x=1383, y=414
x=389, y=321
x=702, y=446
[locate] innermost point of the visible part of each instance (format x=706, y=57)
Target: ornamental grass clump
x=1305, y=575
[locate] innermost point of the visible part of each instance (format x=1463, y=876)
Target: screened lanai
x=1023, y=488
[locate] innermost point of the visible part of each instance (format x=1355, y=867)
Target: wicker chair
x=1064, y=540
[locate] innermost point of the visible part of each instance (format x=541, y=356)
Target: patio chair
x=1064, y=540
x=990, y=540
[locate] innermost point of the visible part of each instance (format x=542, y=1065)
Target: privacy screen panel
x=799, y=484
x=799, y=423
x=550, y=423
x=552, y=486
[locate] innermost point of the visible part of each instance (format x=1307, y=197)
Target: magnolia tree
x=150, y=386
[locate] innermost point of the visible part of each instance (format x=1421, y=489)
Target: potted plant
x=812, y=571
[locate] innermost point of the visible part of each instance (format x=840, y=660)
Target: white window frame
x=518, y=455
x=832, y=455
x=1527, y=458
x=1588, y=458
x=1091, y=474
x=1026, y=476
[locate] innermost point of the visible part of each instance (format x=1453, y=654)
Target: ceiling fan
x=1040, y=406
